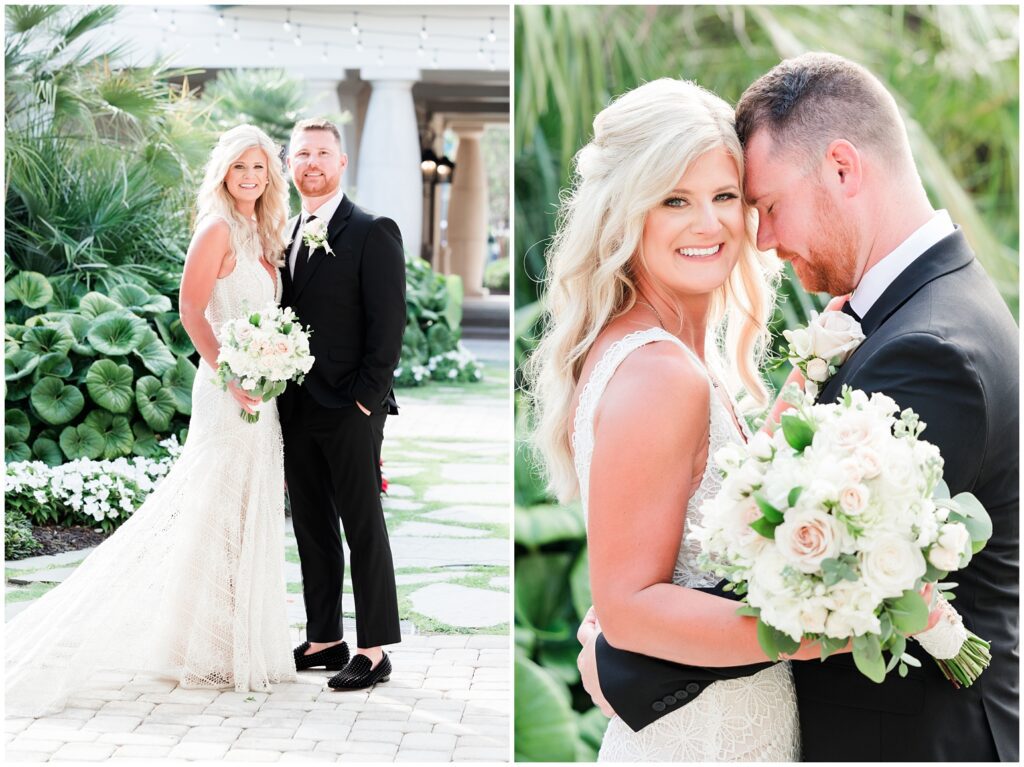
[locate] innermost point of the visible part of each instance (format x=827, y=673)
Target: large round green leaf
x=110, y=385
x=16, y=426
x=81, y=441
x=30, y=288
x=156, y=357
x=145, y=440
x=173, y=333
x=67, y=292
x=16, y=391
x=47, y=451
x=19, y=365
x=14, y=330
x=46, y=318
x=46, y=339
x=155, y=403
x=79, y=327
x=117, y=332
x=178, y=381
x=92, y=305
x=53, y=364
x=137, y=300
x=115, y=430
x=544, y=720
x=17, y=451
x=55, y=402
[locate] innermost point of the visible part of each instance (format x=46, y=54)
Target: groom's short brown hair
x=317, y=123
x=808, y=101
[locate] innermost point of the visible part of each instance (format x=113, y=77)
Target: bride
x=658, y=305
x=191, y=587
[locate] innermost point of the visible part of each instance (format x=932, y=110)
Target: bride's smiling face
x=692, y=239
x=247, y=175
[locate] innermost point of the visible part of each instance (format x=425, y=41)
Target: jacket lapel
x=336, y=226
x=947, y=255
x=286, y=273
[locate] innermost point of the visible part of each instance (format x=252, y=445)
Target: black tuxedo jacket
x=354, y=303
x=940, y=340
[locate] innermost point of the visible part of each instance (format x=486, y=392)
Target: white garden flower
x=890, y=565
x=834, y=335
x=817, y=370
x=950, y=546
x=806, y=537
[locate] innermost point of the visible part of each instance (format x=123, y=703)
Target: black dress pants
x=332, y=466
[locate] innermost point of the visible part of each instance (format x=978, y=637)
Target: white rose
x=740, y=535
x=834, y=335
x=760, y=446
x=807, y=536
x=854, y=499
x=870, y=465
x=852, y=610
x=950, y=546
x=813, y=614
x=890, y=565
x=729, y=458
x=817, y=370
x=800, y=340
x=748, y=476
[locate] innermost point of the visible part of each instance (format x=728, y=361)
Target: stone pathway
x=447, y=459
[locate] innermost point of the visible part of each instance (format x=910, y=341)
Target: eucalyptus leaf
x=773, y=641
x=909, y=612
x=867, y=655
x=56, y=402
x=976, y=518
x=81, y=441
x=110, y=385
x=156, y=405
x=32, y=289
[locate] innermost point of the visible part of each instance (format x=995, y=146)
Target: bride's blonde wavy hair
x=271, y=207
x=643, y=143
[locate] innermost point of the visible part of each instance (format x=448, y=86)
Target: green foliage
x=18, y=540
x=86, y=366
x=497, y=276
x=270, y=99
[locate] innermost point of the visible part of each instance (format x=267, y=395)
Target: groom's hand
x=587, y=661
x=360, y=406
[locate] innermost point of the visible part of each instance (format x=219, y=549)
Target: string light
x=172, y=25
x=216, y=44
x=490, y=35
x=435, y=62
x=298, y=35
x=287, y=20
x=380, y=56
x=270, y=50
x=220, y=19
x=156, y=16
x=480, y=53
x=355, y=23
x=423, y=29
x=234, y=33
x=359, y=45
x=493, y=64
x=323, y=56
x=419, y=50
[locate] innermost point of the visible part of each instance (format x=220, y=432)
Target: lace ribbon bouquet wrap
x=263, y=351
x=832, y=526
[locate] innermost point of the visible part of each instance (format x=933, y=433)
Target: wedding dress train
x=191, y=587
x=750, y=719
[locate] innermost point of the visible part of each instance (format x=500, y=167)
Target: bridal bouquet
x=832, y=526
x=263, y=352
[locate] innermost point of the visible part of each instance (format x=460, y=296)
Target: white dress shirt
x=881, y=275
x=325, y=213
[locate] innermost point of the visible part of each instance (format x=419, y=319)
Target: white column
x=389, y=181
x=467, y=210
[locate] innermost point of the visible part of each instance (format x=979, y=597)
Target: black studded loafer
x=359, y=675
x=332, y=659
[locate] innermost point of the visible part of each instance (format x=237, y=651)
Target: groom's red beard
x=831, y=260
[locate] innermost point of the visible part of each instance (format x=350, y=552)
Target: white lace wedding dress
x=753, y=719
x=191, y=587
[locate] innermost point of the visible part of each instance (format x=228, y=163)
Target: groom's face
x=316, y=163
x=798, y=218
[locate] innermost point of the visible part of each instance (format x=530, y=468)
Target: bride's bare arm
x=208, y=254
x=651, y=442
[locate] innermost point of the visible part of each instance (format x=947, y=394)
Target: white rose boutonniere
x=820, y=348
x=314, y=234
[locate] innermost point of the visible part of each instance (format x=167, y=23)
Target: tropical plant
x=496, y=275
x=954, y=73
x=270, y=99
x=100, y=161
x=93, y=375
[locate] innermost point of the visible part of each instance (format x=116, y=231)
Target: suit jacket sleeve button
x=669, y=700
x=658, y=706
x=692, y=687
x=682, y=695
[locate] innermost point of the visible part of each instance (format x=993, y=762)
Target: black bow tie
x=847, y=309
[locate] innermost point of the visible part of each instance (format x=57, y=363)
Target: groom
x=345, y=279
x=829, y=169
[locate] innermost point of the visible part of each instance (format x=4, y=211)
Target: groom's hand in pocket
x=363, y=409
x=586, y=661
